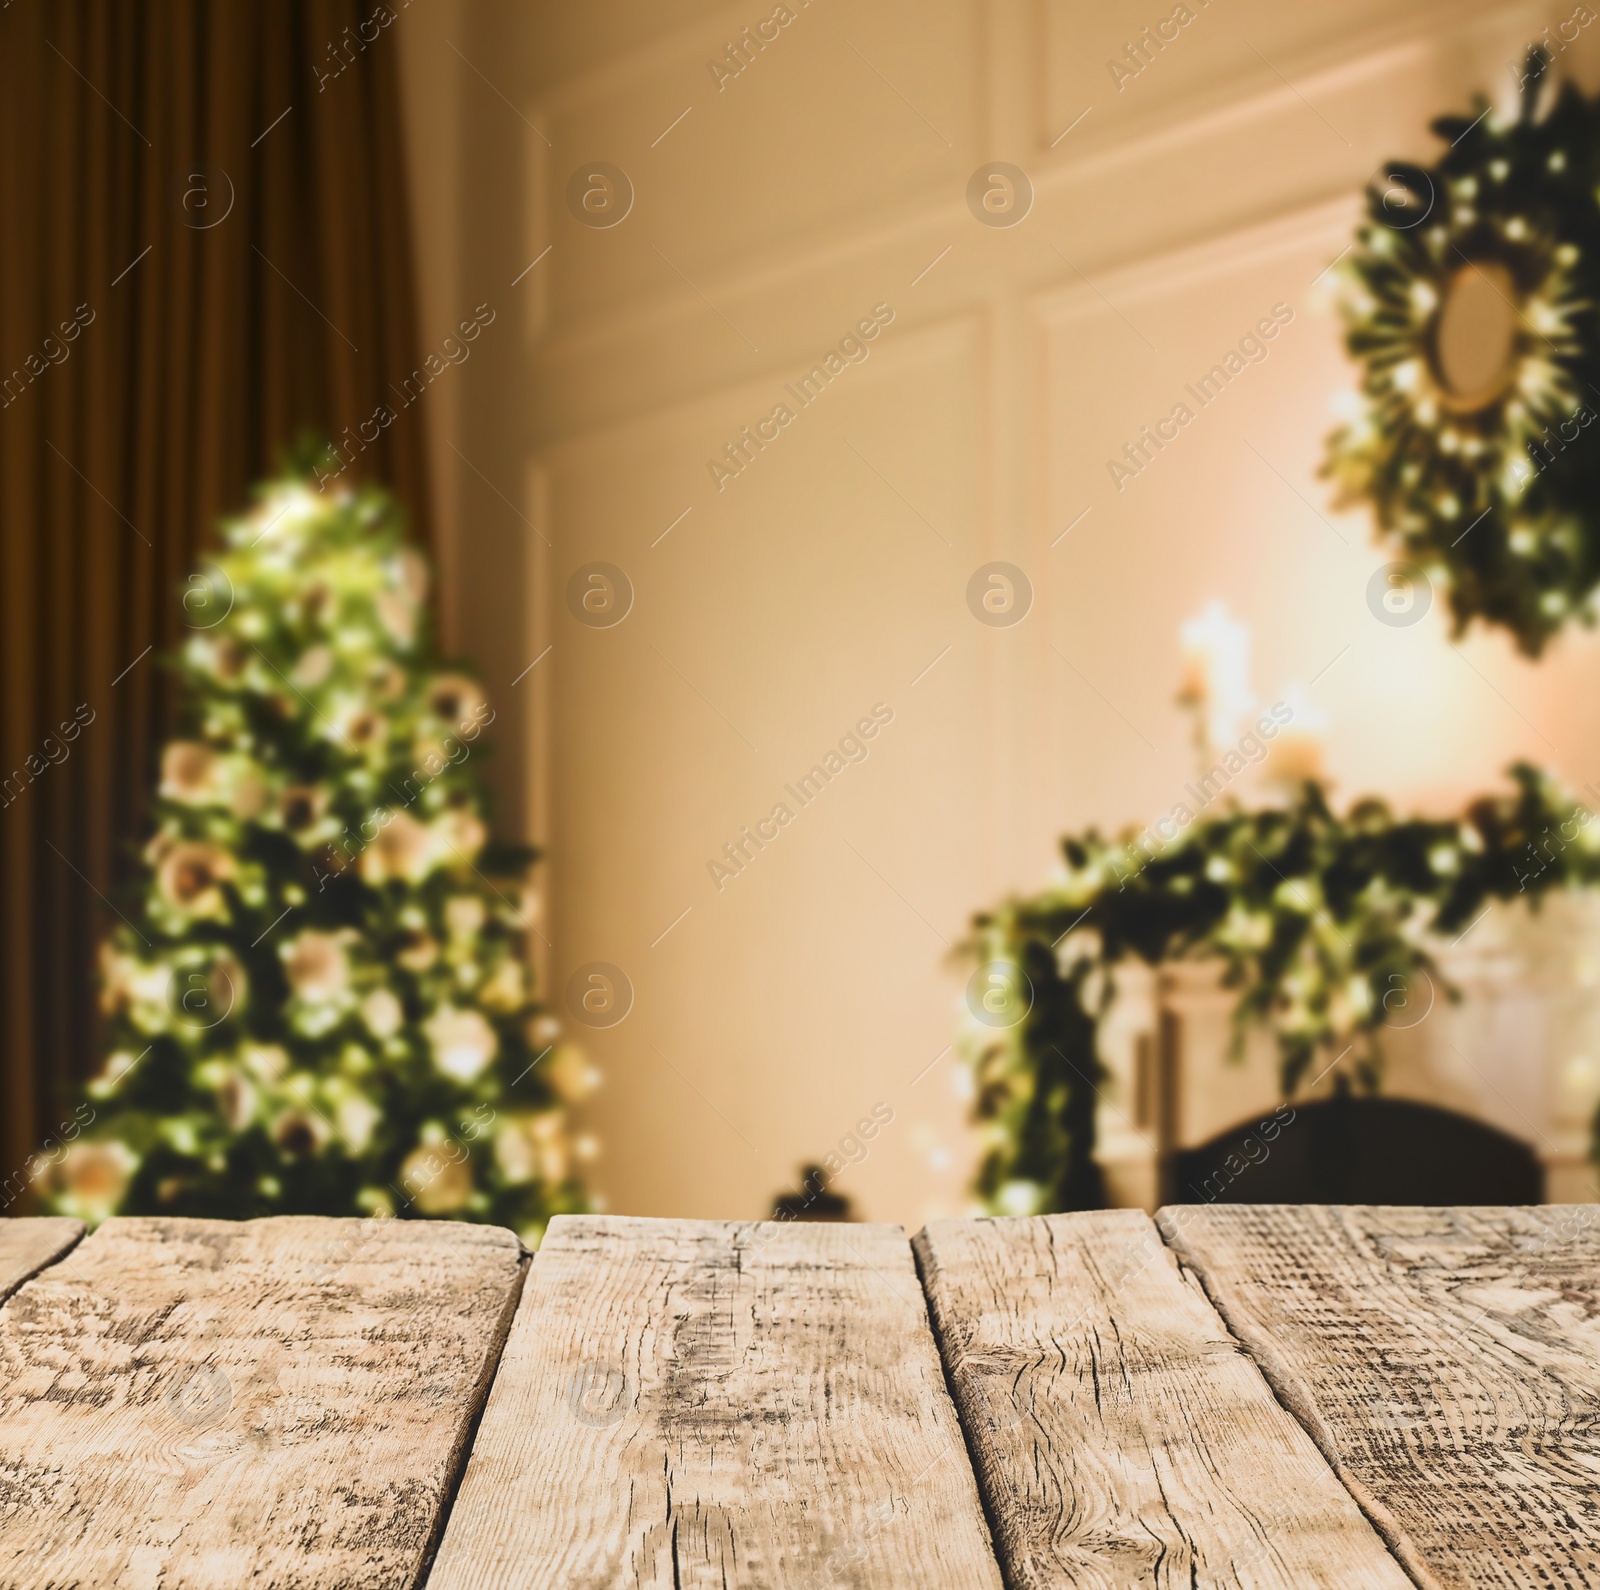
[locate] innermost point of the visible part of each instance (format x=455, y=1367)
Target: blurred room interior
x=813, y=414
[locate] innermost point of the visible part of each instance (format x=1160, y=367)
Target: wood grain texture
x=693, y=1403
x=27, y=1246
x=1446, y=1361
x=1119, y=1434
x=201, y=1405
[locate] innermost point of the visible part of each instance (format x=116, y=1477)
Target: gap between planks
x=31, y=1244
x=1461, y=1420
x=718, y=1403
x=1121, y=1436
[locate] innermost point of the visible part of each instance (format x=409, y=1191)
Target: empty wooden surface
x=696, y=1403
x=1447, y=1361
x=1120, y=1436
x=199, y=1405
x=26, y=1246
x=196, y=1403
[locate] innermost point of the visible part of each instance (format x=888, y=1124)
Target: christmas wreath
x=1472, y=299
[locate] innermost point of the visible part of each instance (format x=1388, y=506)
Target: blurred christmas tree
x=318, y=1001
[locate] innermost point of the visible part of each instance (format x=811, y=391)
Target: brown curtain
x=204, y=252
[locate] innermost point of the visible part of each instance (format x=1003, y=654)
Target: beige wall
x=830, y=176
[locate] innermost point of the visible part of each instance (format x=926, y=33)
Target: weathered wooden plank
x=27, y=1246
x=1120, y=1436
x=692, y=1403
x=1447, y=1362
x=201, y=1404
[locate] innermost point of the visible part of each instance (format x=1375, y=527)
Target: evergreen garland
x=1321, y=922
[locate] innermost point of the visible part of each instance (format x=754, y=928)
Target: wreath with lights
x=1472, y=299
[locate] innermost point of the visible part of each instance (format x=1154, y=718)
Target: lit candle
x=1215, y=675
x=1194, y=682
x=1300, y=750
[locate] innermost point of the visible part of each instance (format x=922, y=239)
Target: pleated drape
x=204, y=255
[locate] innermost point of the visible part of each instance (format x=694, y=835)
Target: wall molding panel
x=768, y=218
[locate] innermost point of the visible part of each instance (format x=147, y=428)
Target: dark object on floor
x=813, y=1201
x=1358, y=1151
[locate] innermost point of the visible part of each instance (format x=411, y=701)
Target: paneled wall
x=768, y=611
